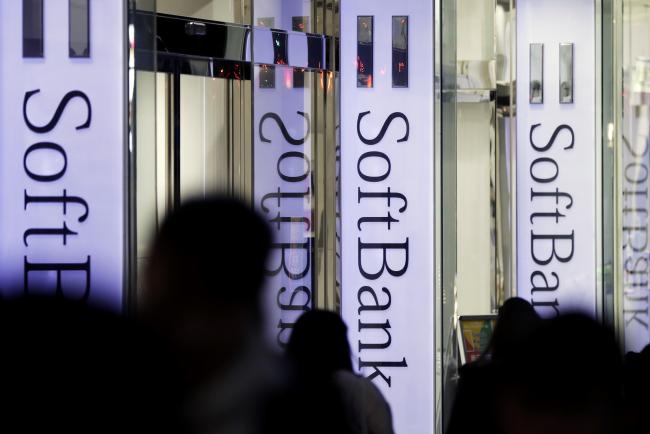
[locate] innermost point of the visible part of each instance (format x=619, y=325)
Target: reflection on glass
x=266, y=22
x=79, y=29
x=536, y=73
x=280, y=47
x=364, y=51
x=267, y=72
x=286, y=133
x=32, y=28
x=267, y=77
x=299, y=24
x=225, y=11
x=566, y=73
x=400, y=51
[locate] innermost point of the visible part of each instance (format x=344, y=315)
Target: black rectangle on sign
x=280, y=47
x=365, y=51
x=400, y=59
x=79, y=28
x=315, y=52
x=32, y=28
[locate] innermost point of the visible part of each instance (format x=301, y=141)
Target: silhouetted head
x=565, y=378
x=319, y=343
x=210, y=253
x=204, y=279
x=317, y=349
x=517, y=320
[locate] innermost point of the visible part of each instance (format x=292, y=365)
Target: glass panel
x=145, y=208
x=227, y=11
x=289, y=15
x=634, y=200
x=32, y=28
x=400, y=51
x=193, y=115
x=79, y=28
x=294, y=148
x=364, y=51
x=284, y=180
x=204, y=134
x=566, y=73
x=447, y=352
x=536, y=73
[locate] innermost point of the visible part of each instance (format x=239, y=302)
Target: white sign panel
x=387, y=175
x=556, y=155
x=62, y=111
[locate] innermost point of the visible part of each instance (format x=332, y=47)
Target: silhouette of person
x=203, y=293
x=320, y=353
x=474, y=405
x=67, y=368
x=516, y=321
x=636, y=384
x=564, y=379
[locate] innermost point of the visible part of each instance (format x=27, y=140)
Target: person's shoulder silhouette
x=69, y=368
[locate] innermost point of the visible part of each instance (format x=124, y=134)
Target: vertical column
x=387, y=176
x=556, y=156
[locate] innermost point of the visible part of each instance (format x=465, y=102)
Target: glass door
x=193, y=117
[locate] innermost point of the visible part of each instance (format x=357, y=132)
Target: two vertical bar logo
x=536, y=73
x=78, y=29
x=365, y=51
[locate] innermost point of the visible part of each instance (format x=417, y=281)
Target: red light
x=360, y=66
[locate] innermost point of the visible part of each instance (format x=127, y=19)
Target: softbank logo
x=78, y=28
x=56, y=207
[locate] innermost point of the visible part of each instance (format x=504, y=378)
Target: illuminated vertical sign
x=62, y=123
x=556, y=155
x=387, y=207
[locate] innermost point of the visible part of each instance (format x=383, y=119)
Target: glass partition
x=223, y=106
x=632, y=117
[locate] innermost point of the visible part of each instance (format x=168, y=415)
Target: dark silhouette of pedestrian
x=475, y=403
x=326, y=389
x=203, y=293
